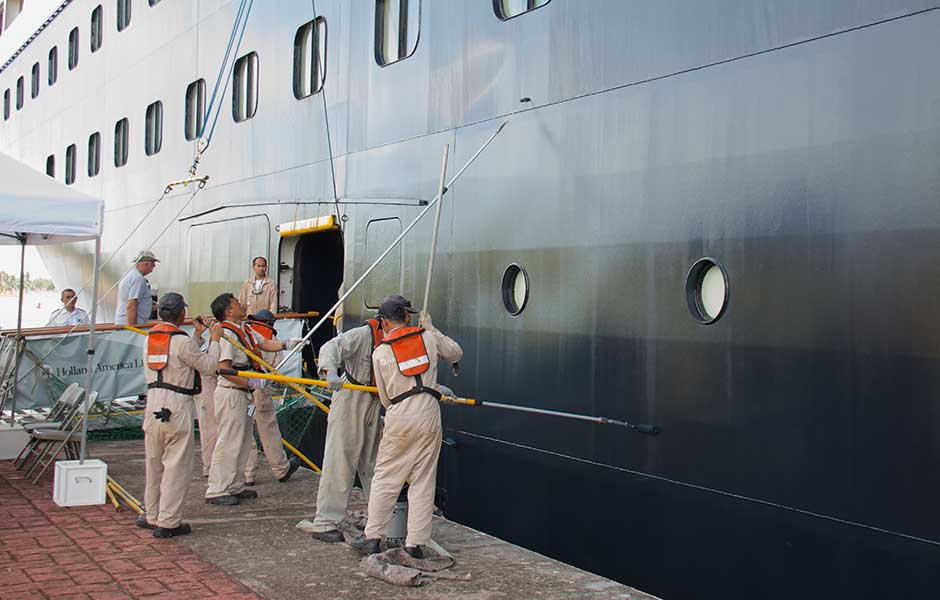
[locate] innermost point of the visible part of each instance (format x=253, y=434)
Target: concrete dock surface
x=258, y=545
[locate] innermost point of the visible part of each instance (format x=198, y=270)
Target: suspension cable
x=321, y=66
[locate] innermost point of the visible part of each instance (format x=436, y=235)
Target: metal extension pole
x=640, y=428
x=437, y=227
x=19, y=331
x=401, y=236
x=91, y=352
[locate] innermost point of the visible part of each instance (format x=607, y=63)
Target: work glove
x=295, y=342
x=333, y=378
x=424, y=320
x=255, y=383
x=443, y=389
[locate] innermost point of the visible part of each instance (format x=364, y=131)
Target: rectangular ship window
x=50, y=165
x=73, y=48
x=153, y=132
x=6, y=104
x=34, y=82
x=120, y=142
x=94, y=154
x=310, y=58
x=97, y=28
x=70, y=165
x=245, y=88
x=195, y=109
x=397, y=25
x=123, y=14
x=19, y=93
x=53, y=64
x=507, y=9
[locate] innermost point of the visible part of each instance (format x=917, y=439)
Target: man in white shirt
x=134, y=301
x=68, y=315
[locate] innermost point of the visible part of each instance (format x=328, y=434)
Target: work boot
x=294, y=465
x=143, y=523
x=365, y=545
x=414, y=551
x=332, y=536
x=246, y=494
x=163, y=532
x=223, y=500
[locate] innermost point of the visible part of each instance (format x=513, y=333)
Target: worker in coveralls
x=405, y=365
x=234, y=404
x=353, y=427
x=259, y=292
x=174, y=364
x=261, y=325
x=208, y=428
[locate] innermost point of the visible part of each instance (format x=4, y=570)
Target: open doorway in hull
x=318, y=275
x=310, y=275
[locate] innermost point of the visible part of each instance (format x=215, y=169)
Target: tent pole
x=19, y=331
x=91, y=350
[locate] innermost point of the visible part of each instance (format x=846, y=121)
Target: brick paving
x=93, y=553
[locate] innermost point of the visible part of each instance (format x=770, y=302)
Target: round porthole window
x=515, y=289
x=706, y=290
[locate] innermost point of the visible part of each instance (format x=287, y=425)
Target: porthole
x=707, y=290
x=515, y=289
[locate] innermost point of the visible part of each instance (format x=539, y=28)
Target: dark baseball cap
x=171, y=301
x=395, y=307
x=264, y=315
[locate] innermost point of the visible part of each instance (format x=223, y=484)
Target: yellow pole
x=300, y=455
x=121, y=491
x=267, y=366
x=111, y=497
x=136, y=330
x=346, y=386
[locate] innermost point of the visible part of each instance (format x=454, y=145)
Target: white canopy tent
x=37, y=210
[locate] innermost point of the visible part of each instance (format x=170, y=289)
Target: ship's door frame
x=310, y=258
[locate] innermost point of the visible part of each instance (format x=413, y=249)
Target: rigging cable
x=315, y=43
x=244, y=9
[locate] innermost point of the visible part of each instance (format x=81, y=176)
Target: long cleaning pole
x=437, y=227
x=91, y=351
x=401, y=236
x=640, y=428
x=19, y=331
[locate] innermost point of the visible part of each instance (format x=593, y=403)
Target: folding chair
x=54, y=441
x=60, y=412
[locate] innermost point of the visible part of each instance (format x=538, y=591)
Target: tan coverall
x=411, y=441
x=254, y=302
x=265, y=420
x=208, y=426
x=353, y=427
x=169, y=447
x=227, y=472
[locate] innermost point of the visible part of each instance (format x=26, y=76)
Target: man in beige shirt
x=233, y=396
x=406, y=377
x=174, y=363
x=259, y=293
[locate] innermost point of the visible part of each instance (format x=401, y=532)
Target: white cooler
x=78, y=484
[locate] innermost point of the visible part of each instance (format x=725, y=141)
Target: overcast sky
x=10, y=261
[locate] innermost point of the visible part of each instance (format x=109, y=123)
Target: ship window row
x=397, y=30
x=96, y=39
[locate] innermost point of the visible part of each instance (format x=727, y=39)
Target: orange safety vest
x=377, y=333
x=262, y=329
x=412, y=358
x=245, y=340
x=158, y=349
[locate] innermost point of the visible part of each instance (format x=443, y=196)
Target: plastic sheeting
x=44, y=209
